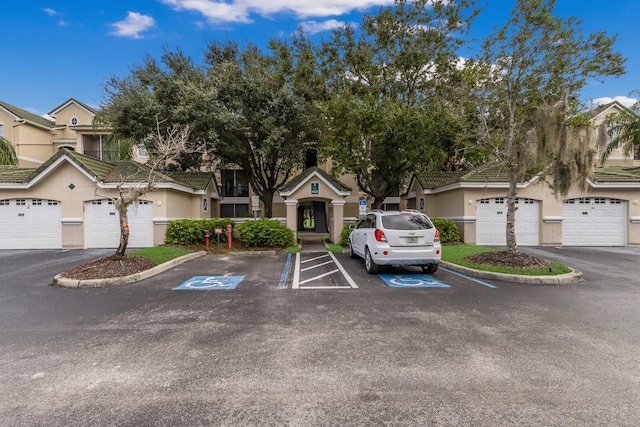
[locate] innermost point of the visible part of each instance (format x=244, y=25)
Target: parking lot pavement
x=467, y=354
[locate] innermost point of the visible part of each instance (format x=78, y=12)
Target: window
x=142, y=151
x=74, y=121
x=235, y=183
x=1, y=130
x=234, y=210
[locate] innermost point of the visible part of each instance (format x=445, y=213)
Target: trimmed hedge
x=344, y=235
x=191, y=231
x=448, y=229
x=265, y=232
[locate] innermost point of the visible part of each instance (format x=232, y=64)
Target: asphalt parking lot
x=252, y=342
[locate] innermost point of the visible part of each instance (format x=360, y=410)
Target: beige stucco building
x=58, y=196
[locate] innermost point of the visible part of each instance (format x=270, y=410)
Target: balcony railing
x=107, y=156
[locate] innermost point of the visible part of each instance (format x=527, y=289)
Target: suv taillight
x=379, y=235
x=437, y=238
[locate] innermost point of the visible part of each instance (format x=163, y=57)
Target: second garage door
x=102, y=226
x=491, y=223
x=594, y=221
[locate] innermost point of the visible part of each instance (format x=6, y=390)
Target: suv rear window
x=406, y=222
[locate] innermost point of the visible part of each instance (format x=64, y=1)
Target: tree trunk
x=267, y=201
x=511, y=212
x=124, y=228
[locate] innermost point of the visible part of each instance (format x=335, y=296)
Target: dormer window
x=74, y=121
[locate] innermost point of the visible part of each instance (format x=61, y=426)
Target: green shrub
x=448, y=229
x=344, y=235
x=191, y=231
x=265, y=232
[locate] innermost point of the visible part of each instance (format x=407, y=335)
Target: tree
x=532, y=67
x=624, y=130
x=136, y=180
x=7, y=153
x=244, y=107
x=392, y=109
x=266, y=119
x=173, y=88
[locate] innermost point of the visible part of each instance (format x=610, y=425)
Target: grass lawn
x=456, y=254
x=160, y=254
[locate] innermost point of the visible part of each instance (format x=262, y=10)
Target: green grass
x=291, y=249
x=456, y=254
x=160, y=254
x=335, y=248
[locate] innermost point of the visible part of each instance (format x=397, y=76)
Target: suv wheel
x=430, y=269
x=369, y=265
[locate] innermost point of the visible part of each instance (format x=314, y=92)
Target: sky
x=56, y=50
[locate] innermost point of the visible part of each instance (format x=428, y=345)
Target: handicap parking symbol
x=209, y=283
x=412, y=281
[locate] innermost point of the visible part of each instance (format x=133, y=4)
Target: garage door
x=491, y=223
x=102, y=226
x=30, y=224
x=594, y=221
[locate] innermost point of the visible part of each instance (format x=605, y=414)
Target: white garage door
x=491, y=223
x=594, y=221
x=30, y=224
x=102, y=225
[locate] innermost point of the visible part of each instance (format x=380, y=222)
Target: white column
x=292, y=216
x=337, y=220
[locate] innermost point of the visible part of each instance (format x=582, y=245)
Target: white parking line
x=313, y=259
x=319, y=277
x=344, y=272
x=296, y=273
x=317, y=265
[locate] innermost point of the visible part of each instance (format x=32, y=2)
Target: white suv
x=396, y=238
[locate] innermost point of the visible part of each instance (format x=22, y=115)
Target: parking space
x=336, y=271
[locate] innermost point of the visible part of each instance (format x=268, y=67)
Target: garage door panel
x=30, y=224
x=491, y=223
x=594, y=221
x=102, y=225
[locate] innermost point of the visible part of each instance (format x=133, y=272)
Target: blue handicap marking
x=412, y=281
x=207, y=283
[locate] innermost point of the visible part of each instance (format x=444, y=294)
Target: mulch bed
x=507, y=259
x=108, y=267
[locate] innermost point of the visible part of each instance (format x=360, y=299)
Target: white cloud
x=240, y=10
x=624, y=100
x=50, y=11
x=134, y=24
x=314, y=27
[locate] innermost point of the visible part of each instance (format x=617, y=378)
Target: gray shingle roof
x=108, y=172
x=25, y=115
x=305, y=174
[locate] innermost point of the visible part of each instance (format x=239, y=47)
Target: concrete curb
x=63, y=282
x=561, y=279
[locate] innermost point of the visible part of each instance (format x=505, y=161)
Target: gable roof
x=615, y=105
x=297, y=181
x=197, y=180
x=21, y=114
x=109, y=173
x=66, y=103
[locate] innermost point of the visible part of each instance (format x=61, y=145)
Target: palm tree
x=7, y=153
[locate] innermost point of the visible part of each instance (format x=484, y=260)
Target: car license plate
x=412, y=240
